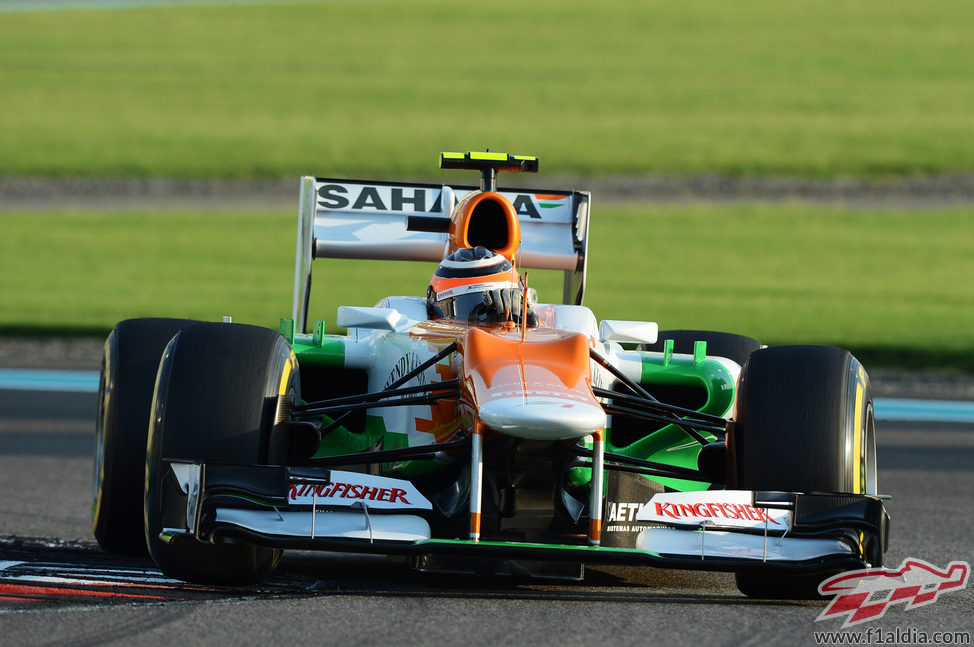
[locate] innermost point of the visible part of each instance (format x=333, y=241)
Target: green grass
x=891, y=285
x=894, y=286
x=830, y=88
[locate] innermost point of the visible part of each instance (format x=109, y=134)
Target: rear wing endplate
x=399, y=221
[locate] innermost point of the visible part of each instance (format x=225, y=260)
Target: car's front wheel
x=804, y=423
x=217, y=398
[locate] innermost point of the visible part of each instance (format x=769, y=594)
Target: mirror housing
x=640, y=332
x=373, y=318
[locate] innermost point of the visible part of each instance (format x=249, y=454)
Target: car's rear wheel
x=719, y=344
x=128, y=374
x=804, y=423
x=217, y=397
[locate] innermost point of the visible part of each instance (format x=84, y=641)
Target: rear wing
x=407, y=221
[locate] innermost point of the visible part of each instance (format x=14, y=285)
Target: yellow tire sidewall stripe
x=857, y=436
x=286, y=373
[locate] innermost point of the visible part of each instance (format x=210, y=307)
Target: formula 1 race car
x=476, y=428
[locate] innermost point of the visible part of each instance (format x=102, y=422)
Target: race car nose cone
x=540, y=418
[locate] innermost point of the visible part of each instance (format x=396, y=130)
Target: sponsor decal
x=407, y=363
x=347, y=489
x=722, y=508
x=867, y=594
x=623, y=511
x=416, y=199
x=475, y=287
x=622, y=517
x=378, y=198
x=711, y=510
x=625, y=495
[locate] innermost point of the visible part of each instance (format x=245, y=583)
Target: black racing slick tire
x=217, y=399
x=719, y=344
x=128, y=375
x=804, y=423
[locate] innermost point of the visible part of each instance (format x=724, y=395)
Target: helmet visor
x=487, y=307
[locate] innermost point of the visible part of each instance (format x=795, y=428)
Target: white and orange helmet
x=476, y=285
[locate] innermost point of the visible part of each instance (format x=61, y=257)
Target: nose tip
x=540, y=418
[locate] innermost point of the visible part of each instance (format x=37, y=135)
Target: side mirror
x=642, y=332
x=374, y=318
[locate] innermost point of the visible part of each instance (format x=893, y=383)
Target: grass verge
x=377, y=89
x=893, y=286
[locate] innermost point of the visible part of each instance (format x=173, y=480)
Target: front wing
x=323, y=509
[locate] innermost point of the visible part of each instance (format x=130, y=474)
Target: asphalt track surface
x=58, y=588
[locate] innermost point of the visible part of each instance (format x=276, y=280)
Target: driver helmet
x=476, y=285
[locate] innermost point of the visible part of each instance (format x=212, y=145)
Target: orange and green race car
x=474, y=427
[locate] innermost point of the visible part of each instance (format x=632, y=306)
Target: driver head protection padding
x=476, y=285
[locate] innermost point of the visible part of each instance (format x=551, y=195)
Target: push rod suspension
x=622, y=462
x=689, y=475
x=398, y=402
x=622, y=377
x=657, y=417
x=318, y=407
x=704, y=418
